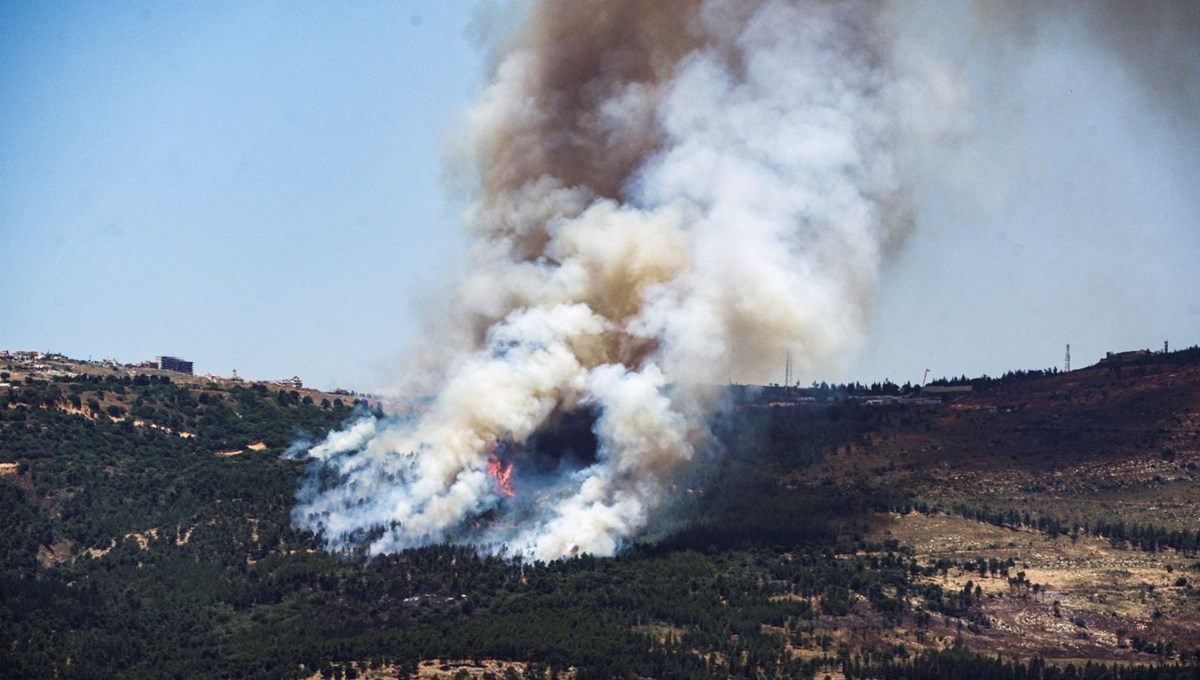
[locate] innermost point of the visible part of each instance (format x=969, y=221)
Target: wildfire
x=501, y=471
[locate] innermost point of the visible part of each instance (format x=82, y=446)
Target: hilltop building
x=1117, y=357
x=174, y=364
x=293, y=382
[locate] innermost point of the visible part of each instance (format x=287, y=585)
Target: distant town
x=51, y=365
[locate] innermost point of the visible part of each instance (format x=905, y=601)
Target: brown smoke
x=579, y=60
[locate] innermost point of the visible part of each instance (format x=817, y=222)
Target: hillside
x=1050, y=518
x=1093, y=448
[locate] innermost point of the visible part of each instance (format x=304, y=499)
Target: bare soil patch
x=445, y=669
x=1090, y=601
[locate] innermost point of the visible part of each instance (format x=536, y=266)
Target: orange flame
x=501, y=471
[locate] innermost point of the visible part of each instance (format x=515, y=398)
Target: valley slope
x=1048, y=518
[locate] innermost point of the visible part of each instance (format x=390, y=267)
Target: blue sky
x=257, y=186
x=247, y=185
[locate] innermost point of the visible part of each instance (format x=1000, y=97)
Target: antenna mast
x=787, y=372
x=1067, y=363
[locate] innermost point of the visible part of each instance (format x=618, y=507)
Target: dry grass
x=55, y=553
x=1091, y=598
x=445, y=669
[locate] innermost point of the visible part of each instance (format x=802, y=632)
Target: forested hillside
x=147, y=534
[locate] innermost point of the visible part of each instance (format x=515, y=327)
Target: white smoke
x=667, y=196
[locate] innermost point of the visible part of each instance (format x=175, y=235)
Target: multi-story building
x=174, y=364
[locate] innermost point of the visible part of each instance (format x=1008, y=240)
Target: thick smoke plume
x=667, y=196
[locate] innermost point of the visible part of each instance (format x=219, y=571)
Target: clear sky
x=252, y=186
x=257, y=186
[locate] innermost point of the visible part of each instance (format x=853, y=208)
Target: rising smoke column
x=668, y=195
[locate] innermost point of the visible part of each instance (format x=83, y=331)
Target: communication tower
x=1067, y=362
x=787, y=371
